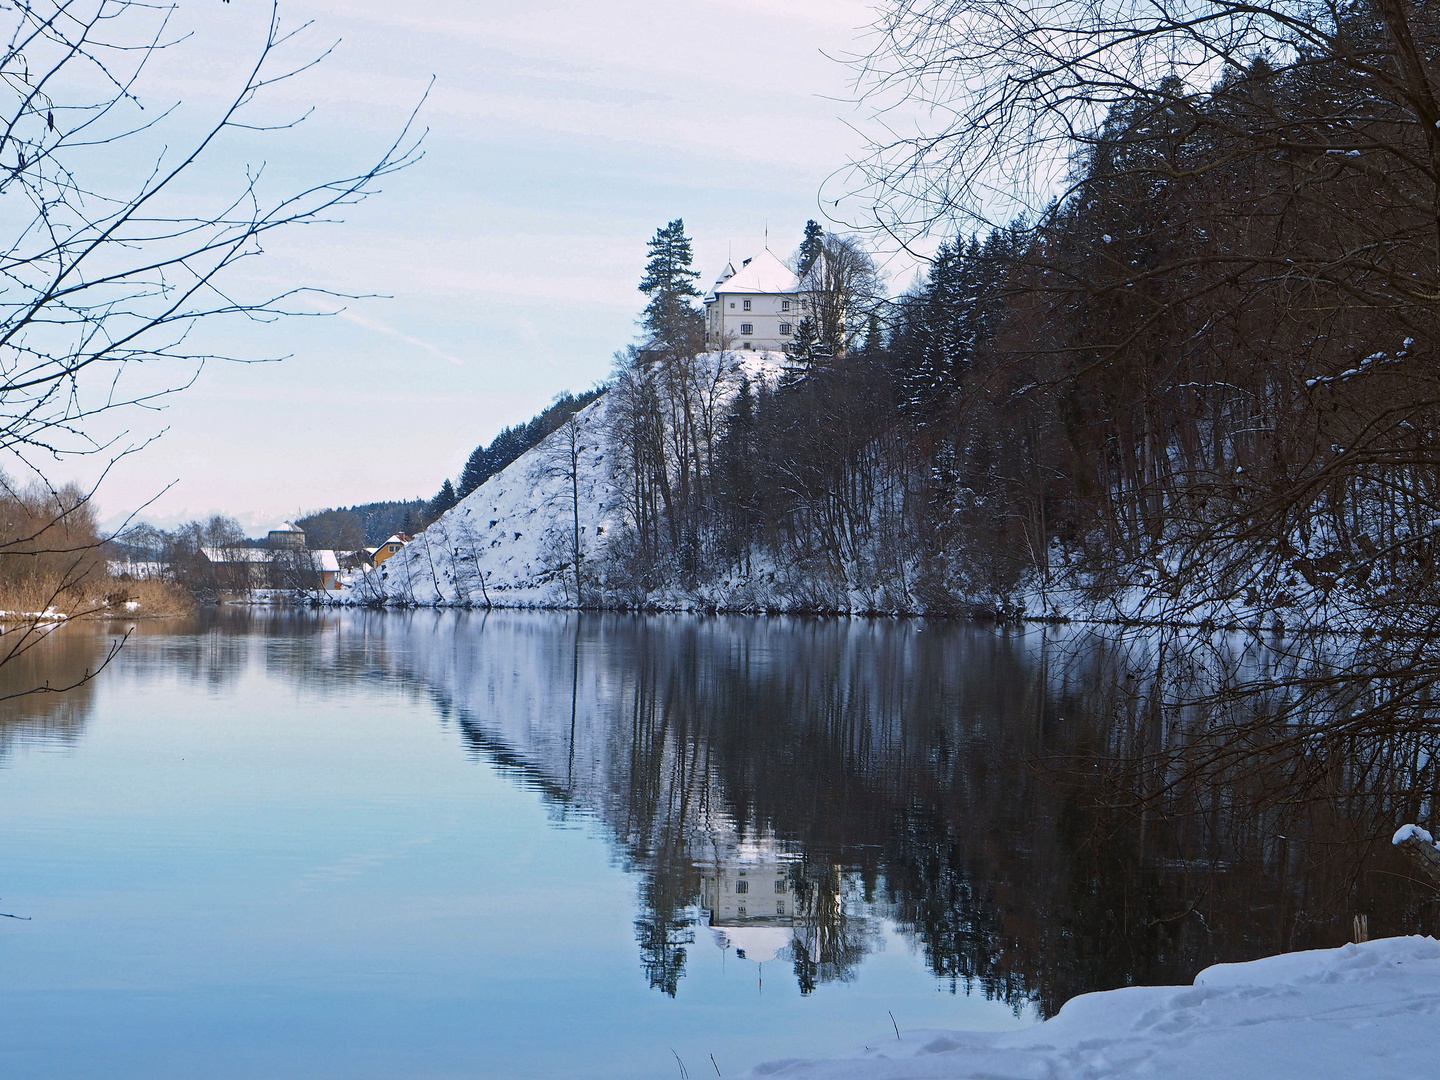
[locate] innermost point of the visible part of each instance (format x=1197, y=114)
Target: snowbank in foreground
x=1362, y=1011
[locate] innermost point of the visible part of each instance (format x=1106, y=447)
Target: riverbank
x=101, y=599
x=1357, y=1011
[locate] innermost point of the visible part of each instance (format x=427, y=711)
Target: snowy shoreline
x=978, y=614
x=1359, y=1011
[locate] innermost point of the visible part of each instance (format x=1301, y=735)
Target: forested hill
x=1203, y=383
x=348, y=528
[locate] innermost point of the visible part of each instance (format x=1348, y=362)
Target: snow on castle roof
x=762, y=274
x=758, y=943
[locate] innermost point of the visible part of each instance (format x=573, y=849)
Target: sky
x=498, y=271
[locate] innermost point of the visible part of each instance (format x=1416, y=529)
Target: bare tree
x=561, y=456
x=99, y=275
x=638, y=463
x=839, y=292
x=109, y=260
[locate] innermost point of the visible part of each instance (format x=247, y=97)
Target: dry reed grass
x=151, y=599
x=52, y=559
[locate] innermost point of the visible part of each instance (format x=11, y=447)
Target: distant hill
x=366, y=525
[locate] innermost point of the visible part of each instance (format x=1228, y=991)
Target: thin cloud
x=381, y=328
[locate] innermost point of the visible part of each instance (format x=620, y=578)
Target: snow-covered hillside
x=506, y=544
x=509, y=542
x=1358, y=1011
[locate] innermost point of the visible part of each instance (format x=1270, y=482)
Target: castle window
x=742, y=886
x=747, y=328
x=784, y=328
x=732, y=303
x=747, y=305
x=780, y=885
x=784, y=305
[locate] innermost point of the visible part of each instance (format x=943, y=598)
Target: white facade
x=747, y=891
x=756, y=307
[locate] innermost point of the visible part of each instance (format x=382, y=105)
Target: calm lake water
x=294, y=844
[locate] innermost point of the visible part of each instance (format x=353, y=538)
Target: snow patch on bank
x=1407, y=832
x=1359, y=1011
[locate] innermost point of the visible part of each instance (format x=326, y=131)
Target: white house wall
x=727, y=317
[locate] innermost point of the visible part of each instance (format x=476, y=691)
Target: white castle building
x=755, y=307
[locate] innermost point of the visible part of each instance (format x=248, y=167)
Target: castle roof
x=762, y=274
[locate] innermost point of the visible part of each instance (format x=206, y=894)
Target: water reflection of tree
x=1194, y=828
x=664, y=927
x=321, y=650
x=665, y=796
x=1026, y=812
x=65, y=658
x=830, y=939
x=1024, y=851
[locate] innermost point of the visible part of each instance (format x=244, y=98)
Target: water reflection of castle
x=749, y=902
x=764, y=901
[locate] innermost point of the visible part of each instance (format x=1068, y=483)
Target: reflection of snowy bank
x=1359, y=1011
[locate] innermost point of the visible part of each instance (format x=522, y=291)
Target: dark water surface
x=288, y=844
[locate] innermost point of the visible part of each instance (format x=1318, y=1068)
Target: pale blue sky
x=560, y=136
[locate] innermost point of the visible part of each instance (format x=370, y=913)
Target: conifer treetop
x=669, y=281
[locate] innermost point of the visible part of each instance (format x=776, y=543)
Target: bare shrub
x=49, y=550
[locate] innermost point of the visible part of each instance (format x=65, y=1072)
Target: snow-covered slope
x=506, y=544
x=1332, y=1014
x=509, y=542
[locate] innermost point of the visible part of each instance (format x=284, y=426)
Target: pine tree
x=444, y=499
x=669, y=281
x=477, y=470
x=810, y=248
x=874, y=338
x=932, y=338
x=802, y=350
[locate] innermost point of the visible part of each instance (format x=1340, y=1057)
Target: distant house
x=289, y=536
x=245, y=569
x=138, y=569
x=325, y=565
x=389, y=548
x=237, y=569
x=756, y=307
x=357, y=559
